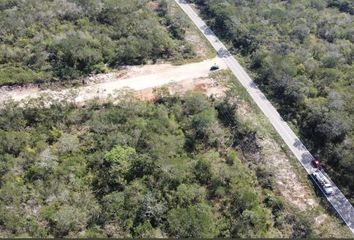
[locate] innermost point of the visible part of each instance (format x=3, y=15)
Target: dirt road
x=136, y=78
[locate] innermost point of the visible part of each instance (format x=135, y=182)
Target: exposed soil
x=198, y=42
x=103, y=86
x=199, y=45
x=205, y=85
x=288, y=182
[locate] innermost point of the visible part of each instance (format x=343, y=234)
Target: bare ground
x=103, y=86
x=205, y=85
x=287, y=181
x=286, y=178
x=200, y=45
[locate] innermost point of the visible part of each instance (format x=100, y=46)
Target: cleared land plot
x=104, y=85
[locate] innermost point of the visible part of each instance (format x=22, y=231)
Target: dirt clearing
x=206, y=85
x=105, y=85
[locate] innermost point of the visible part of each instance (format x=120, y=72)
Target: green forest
x=55, y=41
x=301, y=55
x=169, y=168
x=179, y=165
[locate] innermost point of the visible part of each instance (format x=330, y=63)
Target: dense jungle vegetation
x=301, y=54
x=60, y=40
x=173, y=167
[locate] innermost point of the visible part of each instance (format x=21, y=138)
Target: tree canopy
x=135, y=169
x=301, y=54
x=60, y=40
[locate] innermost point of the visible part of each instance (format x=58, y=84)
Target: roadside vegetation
x=177, y=19
x=290, y=182
x=57, y=41
x=301, y=55
x=178, y=166
x=173, y=167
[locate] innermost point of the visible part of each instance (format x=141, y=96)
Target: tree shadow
x=223, y=53
x=206, y=30
x=253, y=85
x=306, y=158
x=263, y=97
x=298, y=144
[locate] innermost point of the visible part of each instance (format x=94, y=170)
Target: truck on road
x=323, y=181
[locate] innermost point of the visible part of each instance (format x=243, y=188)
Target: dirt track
x=136, y=78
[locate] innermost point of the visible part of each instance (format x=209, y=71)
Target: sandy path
x=136, y=78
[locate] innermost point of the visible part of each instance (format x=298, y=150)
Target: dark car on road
x=214, y=67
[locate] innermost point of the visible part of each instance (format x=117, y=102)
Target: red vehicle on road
x=316, y=163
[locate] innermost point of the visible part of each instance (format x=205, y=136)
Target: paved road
x=337, y=199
